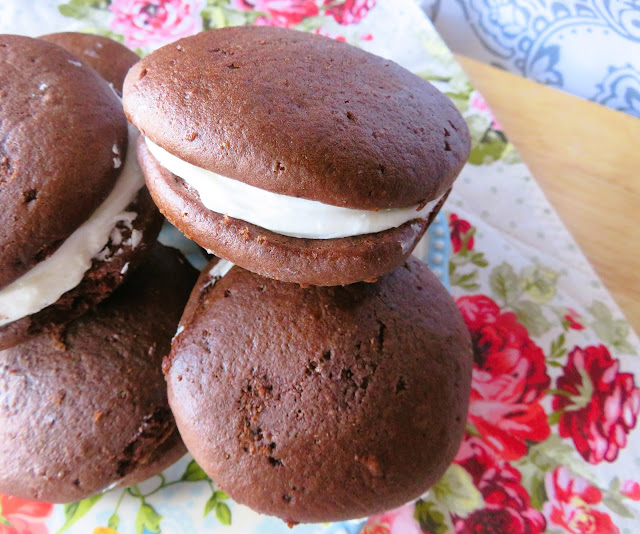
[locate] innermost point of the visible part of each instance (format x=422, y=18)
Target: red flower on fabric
x=24, y=517
x=599, y=405
x=155, y=22
x=284, y=13
x=631, y=489
x=375, y=528
x=571, y=320
x=350, y=11
x=457, y=229
x=509, y=379
x=570, y=501
x=398, y=521
x=507, y=503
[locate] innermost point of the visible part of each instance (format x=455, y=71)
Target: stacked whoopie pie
x=83, y=403
x=325, y=376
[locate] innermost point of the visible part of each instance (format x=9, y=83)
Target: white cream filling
x=285, y=215
x=221, y=268
x=45, y=283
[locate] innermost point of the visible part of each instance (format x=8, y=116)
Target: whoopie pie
x=321, y=403
x=86, y=409
x=107, y=57
x=75, y=216
x=295, y=156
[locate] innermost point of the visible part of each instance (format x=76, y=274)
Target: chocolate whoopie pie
x=87, y=408
x=109, y=58
x=75, y=216
x=293, y=155
x=321, y=403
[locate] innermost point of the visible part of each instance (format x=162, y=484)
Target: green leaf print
x=5, y=522
x=615, y=484
x=487, y=145
x=531, y=316
x=492, y=148
x=504, y=283
x=554, y=417
x=147, y=518
x=194, y=472
x=553, y=452
x=533, y=480
x=114, y=521
x=456, y=492
x=76, y=510
x=478, y=124
x=466, y=257
x=431, y=519
x=215, y=17
x=466, y=281
x=558, y=350
x=479, y=260
x=459, y=98
x=539, y=283
x=210, y=505
x=615, y=505
x=611, y=331
x=77, y=9
x=223, y=514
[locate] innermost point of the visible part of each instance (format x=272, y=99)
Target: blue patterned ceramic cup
x=590, y=48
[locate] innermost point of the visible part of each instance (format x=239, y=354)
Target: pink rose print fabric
x=349, y=12
x=18, y=516
x=571, y=504
x=155, y=22
x=398, y=520
x=507, y=505
x=599, y=404
x=631, y=489
x=509, y=379
x=285, y=13
x=458, y=229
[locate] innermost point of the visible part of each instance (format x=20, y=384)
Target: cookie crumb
x=372, y=465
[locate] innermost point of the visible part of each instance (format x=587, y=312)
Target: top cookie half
x=299, y=115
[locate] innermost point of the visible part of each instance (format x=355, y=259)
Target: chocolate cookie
x=109, y=58
x=321, y=403
x=87, y=408
x=75, y=214
x=295, y=156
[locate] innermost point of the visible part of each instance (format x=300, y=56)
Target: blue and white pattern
x=590, y=48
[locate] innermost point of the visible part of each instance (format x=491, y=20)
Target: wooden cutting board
x=586, y=158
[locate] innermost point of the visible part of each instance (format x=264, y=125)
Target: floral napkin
x=550, y=444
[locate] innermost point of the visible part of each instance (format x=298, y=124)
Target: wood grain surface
x=586, y=158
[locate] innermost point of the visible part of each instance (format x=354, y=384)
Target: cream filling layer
x=45, y=283
x=282, y=214
x=221, y=268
